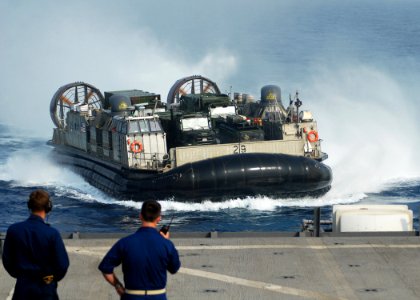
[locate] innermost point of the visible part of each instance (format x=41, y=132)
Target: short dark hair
x=39, y=200
x=150, y=210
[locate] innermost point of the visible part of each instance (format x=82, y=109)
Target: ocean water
x=356, y=65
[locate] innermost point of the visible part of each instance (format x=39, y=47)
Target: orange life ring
x=312, y=136
x=136, y=147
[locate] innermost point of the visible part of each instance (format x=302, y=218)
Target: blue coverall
x=145, y=257
x=33, y=250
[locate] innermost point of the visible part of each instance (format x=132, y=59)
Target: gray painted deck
x=256, y=267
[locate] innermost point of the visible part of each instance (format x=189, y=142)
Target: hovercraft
x=201, y=144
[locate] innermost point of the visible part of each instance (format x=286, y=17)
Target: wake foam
x=257, y=203
x=29, y=168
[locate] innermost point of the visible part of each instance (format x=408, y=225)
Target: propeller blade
x=90, y=94
x=206, y=88
x=182, y=92
x=65, y=100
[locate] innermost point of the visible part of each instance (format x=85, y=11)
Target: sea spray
x=368, y=125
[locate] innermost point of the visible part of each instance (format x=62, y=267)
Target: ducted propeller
x=69, y=95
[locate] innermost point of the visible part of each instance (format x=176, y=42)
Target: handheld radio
x=165, y=228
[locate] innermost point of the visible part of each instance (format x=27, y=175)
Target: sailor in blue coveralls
x=34, y=253
x=145, y=256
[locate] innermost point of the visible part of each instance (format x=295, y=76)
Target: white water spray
x=34, y=167
x=368, y=121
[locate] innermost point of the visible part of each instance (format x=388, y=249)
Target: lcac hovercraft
x=200, y=144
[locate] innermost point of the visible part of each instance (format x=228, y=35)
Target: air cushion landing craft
x=200, y=144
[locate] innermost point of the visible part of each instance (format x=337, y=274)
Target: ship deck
x=260, y=266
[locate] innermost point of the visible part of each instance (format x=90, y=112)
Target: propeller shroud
x=71, y=94
x=195, y=84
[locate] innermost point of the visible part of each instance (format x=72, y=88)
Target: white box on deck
x=371, y=218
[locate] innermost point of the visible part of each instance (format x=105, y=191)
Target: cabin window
x=133, y=127
x=143, y=126
x=154, y=126
x=137, y=126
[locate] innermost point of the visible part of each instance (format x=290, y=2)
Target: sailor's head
x=39, y=201
x=150, y=211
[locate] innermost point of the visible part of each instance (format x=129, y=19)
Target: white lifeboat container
x=372, y=218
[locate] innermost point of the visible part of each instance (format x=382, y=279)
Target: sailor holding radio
x=145, y=256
